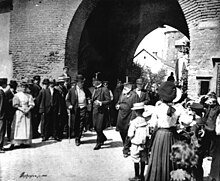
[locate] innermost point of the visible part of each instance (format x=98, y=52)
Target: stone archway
x=103, y=35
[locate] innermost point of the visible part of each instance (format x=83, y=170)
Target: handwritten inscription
x=26, y=176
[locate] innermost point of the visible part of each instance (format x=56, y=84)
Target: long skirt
x=215, y=166
x=21, y=129
x=160, y=165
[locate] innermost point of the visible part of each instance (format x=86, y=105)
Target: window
x=204, y=87
x=204, y=84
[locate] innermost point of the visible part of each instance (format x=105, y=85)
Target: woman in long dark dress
x=164, y=119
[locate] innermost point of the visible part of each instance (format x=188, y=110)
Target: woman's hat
x=167, y=91
x=137, y=106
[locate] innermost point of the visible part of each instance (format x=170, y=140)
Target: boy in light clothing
x=138, y=133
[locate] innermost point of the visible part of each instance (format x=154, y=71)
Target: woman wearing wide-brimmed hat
x=165, y=120
x=23, y=102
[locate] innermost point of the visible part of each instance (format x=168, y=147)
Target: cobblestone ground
x=63, y=161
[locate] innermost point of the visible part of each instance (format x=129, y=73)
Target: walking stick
x=69, y=120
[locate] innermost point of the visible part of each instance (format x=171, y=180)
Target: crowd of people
x=159, y=127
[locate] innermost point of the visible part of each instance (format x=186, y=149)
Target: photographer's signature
x=26, y=175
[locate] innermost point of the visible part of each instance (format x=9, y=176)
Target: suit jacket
x=125, y=114
x=100, y=112
x=2, y=105
x=9, y=109
x=46, y=99
x=72, y=98
x=144, y=97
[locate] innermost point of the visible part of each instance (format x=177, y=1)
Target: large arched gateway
x=109, y=32
x=102, y=35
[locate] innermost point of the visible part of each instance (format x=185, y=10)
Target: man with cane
x=76, y=101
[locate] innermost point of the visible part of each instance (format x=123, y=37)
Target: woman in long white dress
x=21, y=126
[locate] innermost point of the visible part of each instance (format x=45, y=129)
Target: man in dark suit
x=63, y=118
x=77, y=101
x=10, y=110
x=100, y=98
x=49, y=102
x=3, y=84
x=142, y=94
x=35, y=111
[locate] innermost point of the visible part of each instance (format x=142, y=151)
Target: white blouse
x=160, y=118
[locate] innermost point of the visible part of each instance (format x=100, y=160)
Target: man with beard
x=76, y=101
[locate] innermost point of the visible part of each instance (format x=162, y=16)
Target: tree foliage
x=137, y=70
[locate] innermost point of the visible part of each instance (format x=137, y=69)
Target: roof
x=166, y=63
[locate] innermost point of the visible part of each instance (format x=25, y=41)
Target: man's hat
x=80, y=78
x=36, y=77
x=127, y=87
x=167, y=91
x=52, y=81
x=46, y=82
x=65, y=67
x=60, y=80
x=13, y=83
x=30, y=81
x=3, y=81
x=97, y=77
x=137, y=106
x=139, y=81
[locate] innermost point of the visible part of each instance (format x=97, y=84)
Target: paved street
x=63, y=161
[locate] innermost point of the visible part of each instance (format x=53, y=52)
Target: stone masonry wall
x=203, y=19
x=38, y=34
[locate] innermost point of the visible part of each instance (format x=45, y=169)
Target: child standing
x=138, y=133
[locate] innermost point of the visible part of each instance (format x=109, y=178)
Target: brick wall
x=38, y=34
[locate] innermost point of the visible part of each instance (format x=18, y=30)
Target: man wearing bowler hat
x=50, y=110
x=3, y=84
x=77, y=101
x=10, y=110
x=100, y=99
x=35, y=111
x=63, y=118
